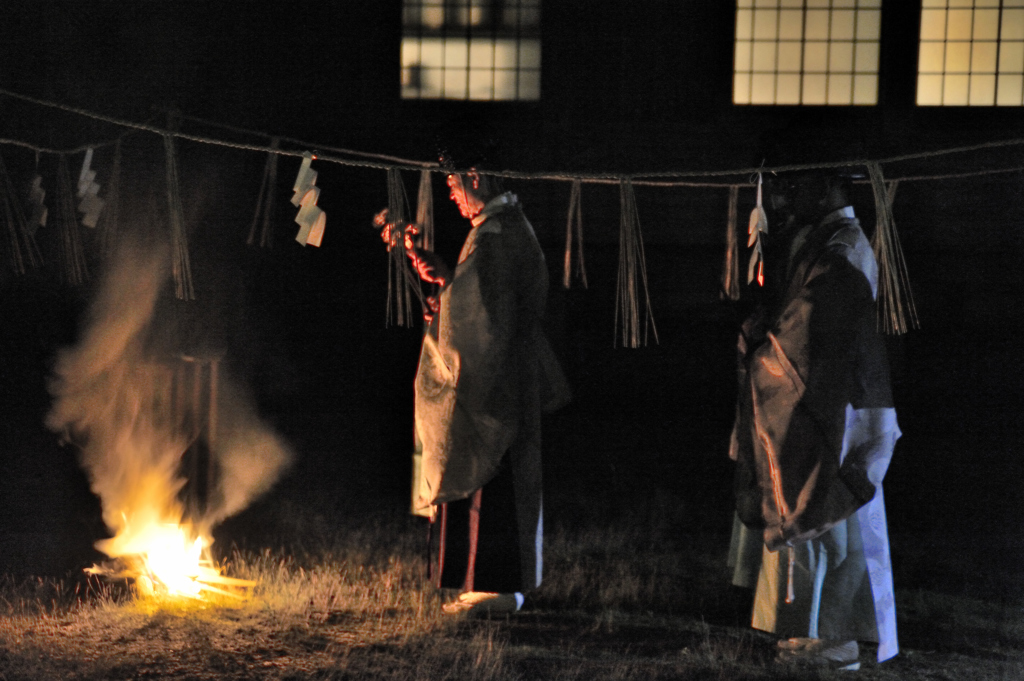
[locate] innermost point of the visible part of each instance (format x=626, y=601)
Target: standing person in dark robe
x=486, y=373
x=815, y=430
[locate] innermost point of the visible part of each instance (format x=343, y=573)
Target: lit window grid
x=455, y=49
x=971, y=53
x=807, y=52
x=481, y=69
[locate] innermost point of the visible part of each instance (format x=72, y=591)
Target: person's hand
x=390, y=232
x=433, y=306
x=429, y=266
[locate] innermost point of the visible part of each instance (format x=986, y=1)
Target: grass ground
x=343, y=598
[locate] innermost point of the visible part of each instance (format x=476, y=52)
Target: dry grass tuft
x=339, y=602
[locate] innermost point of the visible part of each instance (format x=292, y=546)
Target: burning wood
x=162, y=560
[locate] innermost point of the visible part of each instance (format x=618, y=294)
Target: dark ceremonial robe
x=486, y=372
x=814, y=434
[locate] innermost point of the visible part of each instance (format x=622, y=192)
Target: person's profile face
x=469, y=206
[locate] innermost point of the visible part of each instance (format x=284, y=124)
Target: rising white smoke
x=114, y=399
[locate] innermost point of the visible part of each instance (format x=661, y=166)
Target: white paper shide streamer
x=311, y=219
x=756, y=228
x=88, y=191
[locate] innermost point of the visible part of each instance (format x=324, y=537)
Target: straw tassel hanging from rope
x=72, y=255
x=265, y=201
x=895, y=300
x=181, y=265
x=632, y=273
x=574, y=226
x=22, y=246
x=756, y=227
x=731, y=265
x=108, y=225
x=399, y=310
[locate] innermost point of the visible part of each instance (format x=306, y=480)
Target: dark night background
x=626, y=87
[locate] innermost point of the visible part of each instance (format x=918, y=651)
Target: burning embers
x=163, y=560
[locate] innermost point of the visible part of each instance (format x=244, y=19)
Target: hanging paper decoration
x=265, y=201
x=401, y=278
x=37, y=201
x=311, y=219
x=23, y=251
x=632, y=271
x=895, y=299
x=108, y=223
x=574, y=225
x=71, y=253
x=731, y=265
x=756, y=227
x=88, y=191
x=181, y=266
x=425, y=211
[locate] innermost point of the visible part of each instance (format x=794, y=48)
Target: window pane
x=866, y=59
x=744, y=24
x=1011, y=57
x=741, y=88
x=481, y=54
x=816, y=25
x=456, y=55
x=430, y=85
x=742, y=56
x=481, y=84
x=931, y=57
x=791, y=24
x=983, y=58
x=815, y=57
x=840, y=89
x=1013, y=24
x=789, y=56
x=762, y=88
x=432, y=52
x=529, y=54
x=505, y=84
x=842, y=25
x=840, y=58
x=865, y=90
x=958, y=57
x=986, y=24
x=764, y=56
x=505, y=56
x=954, y=90
x=869, y=25
x=814, y=89
x=933, y=24
x=983, y=90
x=1011, y=90
x=958, y=25
x=765, y=24
x=929, y=90
x=788, y=89
x=529, y=84
x=455, y=83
